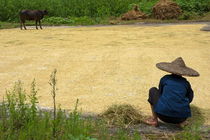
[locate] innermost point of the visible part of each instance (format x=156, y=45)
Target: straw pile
x=166, y=9
x=134, y=14
x=121, y=115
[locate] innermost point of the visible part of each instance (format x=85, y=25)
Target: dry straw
x=122, y=115
x=166, y=9
x=134, y=14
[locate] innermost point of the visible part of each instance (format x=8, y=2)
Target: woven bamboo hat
x=177, y=67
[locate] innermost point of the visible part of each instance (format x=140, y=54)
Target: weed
x=52, y=83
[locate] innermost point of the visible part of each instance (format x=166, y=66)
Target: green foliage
x=83, y=12
x=188, y=15
x=192, y=9
x=73, y=20
x=6, y=25
x=83, y=20
x=205, y=17
x=197, y=6
x=146, y=6
x=9, y=9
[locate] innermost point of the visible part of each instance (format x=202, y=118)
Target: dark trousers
x=154, y=96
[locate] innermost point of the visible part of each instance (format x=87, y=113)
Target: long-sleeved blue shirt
x=176, y=95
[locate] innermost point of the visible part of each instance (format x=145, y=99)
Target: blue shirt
x=175, y=97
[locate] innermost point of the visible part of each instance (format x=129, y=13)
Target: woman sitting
x=171, y=102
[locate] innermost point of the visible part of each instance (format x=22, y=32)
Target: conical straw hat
x=177, y=67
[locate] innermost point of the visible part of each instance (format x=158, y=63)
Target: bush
x=194, y=6
x=146, y=6
x=188, y=15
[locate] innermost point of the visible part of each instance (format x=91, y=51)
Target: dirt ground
x=102, y=66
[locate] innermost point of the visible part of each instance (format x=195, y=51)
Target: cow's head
x=45, y=12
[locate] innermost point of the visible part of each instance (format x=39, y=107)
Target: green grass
x=206, y=16
x=93, y=9
x=9, y=9
x=7, y=25
x=72, y=21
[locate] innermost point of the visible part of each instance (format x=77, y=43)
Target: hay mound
x=166, y=9
x=121, y=115
x=134, y=14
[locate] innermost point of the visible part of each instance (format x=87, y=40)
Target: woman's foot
x=152, y=122
x=183, y=124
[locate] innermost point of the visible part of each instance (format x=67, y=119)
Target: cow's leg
x=40, y=24
x=21, y=25
x=36, y=25
x=24, y=24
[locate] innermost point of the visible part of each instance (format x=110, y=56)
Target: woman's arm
x=160, y=87
x=190, y=93
x=161, y=84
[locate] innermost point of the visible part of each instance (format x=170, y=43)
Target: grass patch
x=8, y=25
x=206, y=16
x=74, y=21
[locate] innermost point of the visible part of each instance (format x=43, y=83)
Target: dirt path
x=103, y=65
